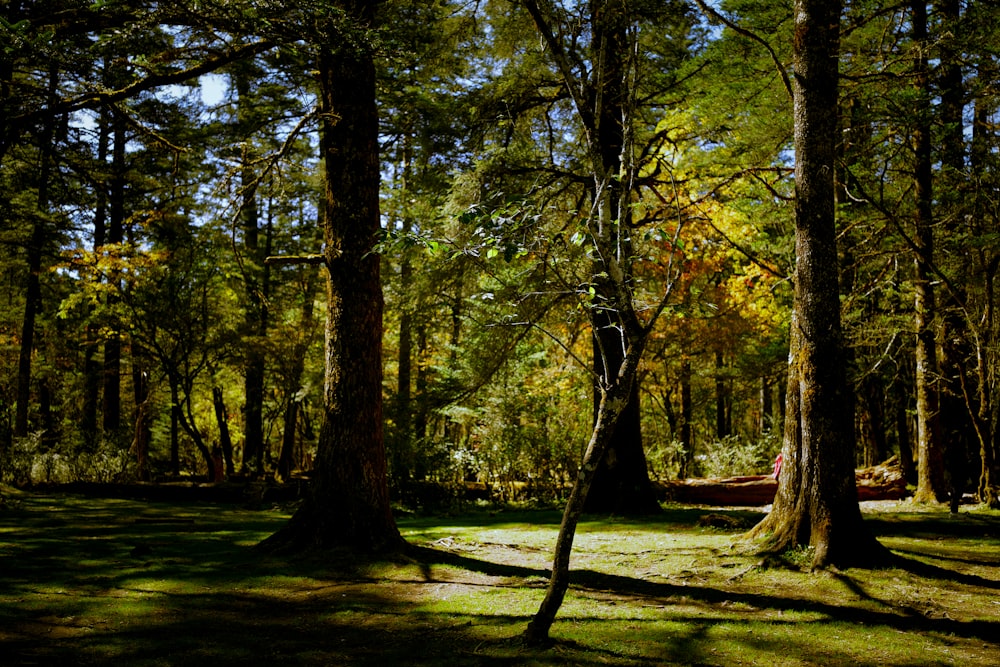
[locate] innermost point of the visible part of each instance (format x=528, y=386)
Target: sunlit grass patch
x=186, y=583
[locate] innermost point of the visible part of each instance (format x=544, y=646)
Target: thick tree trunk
x=930, y=462
x=817, y=501
x=348, y=502
x=621, y=484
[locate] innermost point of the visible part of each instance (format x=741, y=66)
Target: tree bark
x=987, y=432
x=33, y=290
x=175, y=444
x=91, y=367
x=621, y=484
x=723, y=425
x=817, y=501
x=111, y=389
x=930, y=462
x=225, y=439
x=614, y=402
x=348, y=501
x=287, y=460
x=253, y=268
x=686, y=439
x=142, y=432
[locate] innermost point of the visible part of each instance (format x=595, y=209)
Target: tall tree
x=599, y=70
x=621, y=483
x=40, y=234
x=816, y=503
x=981, y=28
x=255, y=273
x=348, y=500
x=930, y=468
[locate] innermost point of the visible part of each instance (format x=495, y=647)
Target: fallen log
x=883, y=482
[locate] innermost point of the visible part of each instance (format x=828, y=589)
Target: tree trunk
x=112, y=382
x=348, y=501
x=287, y=460
x=142, y=433
x=614, y=402
x=817, y=501
x=723, y=428
x=621, y=484
x=901, y=390
x=930, y=462
x=403, y=439
x=33, y=289
x=255, y=314
x=766, y=406
x=91, y=368
x=686, y=440
x=987, y=432
x=175, y=444
x=422, y=407
x=187, y=422
x=225, y=439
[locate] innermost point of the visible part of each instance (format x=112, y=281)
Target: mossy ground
x=97, y=581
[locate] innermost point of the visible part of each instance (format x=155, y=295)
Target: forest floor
x=94, y=581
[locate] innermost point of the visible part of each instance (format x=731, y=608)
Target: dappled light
x=127, y=582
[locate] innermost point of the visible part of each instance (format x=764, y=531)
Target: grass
x=98, y=581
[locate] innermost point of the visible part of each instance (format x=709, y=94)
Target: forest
x=473, y=236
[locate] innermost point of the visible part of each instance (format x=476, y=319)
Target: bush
x=31, y=461
x=732, y=456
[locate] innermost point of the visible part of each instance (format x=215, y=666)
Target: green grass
x=98, y=581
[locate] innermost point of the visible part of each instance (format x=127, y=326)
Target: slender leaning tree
x=817, y=501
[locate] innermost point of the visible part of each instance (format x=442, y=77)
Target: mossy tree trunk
x=348, y=502
x=930, y=462
x=817, y=502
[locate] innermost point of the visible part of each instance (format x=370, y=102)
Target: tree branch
x=721, y=18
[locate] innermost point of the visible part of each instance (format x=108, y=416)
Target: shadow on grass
x=934, y=525
x=899, y=618
x=89, y=581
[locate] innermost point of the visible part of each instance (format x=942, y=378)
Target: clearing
x=92, y=581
